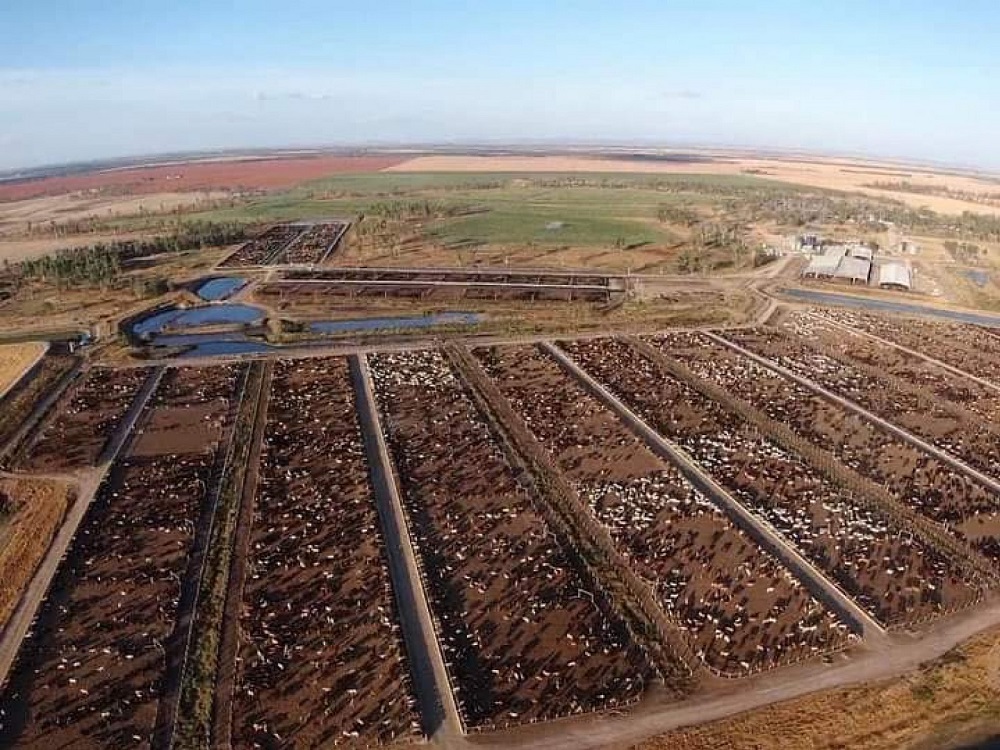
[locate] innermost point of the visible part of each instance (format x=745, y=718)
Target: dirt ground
x=816, y=172
x=949, y=703
x=15, y=360
x=83, y=421
x=32, y=511
x=230, y=174
x=93, y=674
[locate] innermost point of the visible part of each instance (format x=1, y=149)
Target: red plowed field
x=255, y=173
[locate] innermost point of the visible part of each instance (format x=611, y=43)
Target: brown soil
x=322, y=659
x=179, y=430
x=32, y=511
x=524, y=638
x=742, y=609
x=208, y=175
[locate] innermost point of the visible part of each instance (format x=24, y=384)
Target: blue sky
x=83, y=79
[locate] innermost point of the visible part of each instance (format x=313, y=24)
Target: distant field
x=501, y=208
x=205, y=175
x=853, y=176
x=15, y=359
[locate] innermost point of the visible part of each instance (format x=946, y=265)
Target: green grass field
x=555, y=210
x=590, y=210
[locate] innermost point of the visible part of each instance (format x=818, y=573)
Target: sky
x=92, y=79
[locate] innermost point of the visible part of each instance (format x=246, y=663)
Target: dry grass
x=16, y=217
x=815, y=172
x=949, y=700
x=15, y=359
x=33, y=512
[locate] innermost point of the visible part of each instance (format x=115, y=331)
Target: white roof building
x=895, y=275
x=855, y=270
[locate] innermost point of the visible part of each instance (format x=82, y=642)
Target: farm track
x=222, y=711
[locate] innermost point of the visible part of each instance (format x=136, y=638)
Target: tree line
x=100, y=264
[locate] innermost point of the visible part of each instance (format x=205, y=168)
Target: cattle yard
x=303, y=243
x=322, y=662
x=740, y=608
x=443, y=284
x=595, y=522
x=525, y=635
x=94, y=668
x=877, y=560
x=80, y=424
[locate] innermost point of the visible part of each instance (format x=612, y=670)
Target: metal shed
x=855, y=270
x=894, y=275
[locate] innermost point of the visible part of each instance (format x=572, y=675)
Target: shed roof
x=856, y=269
x=894, y=273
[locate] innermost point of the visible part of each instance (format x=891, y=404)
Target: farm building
x=854, y=270
x=894, y=276
x=825, y=265
x=837, y=263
